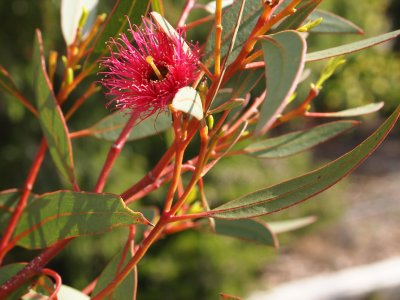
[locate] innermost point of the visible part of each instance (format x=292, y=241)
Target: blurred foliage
x=371, y=75
x=189, y=265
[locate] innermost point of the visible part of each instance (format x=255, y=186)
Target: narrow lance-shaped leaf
x=333, y=23
x=295, y=20
x=60, y=215
x=50, y=115
x=284, y=55
x=352, y=47
x=249, y=230
x=351, y=112
x=278, y=227
x=127, y=288
x=111, y=126
x=296, y=190
x=295, y=142
x=116, y=23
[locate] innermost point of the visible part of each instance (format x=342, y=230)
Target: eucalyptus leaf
x=278, y=227
x=56, y=216
x=127, y=288
x=296, y=190
x=295, y=142
x=51, y=117
x=352, y=47
x=351, y=112
x=284, y=54
x=116, y=23
x=333, y=23
x=246, y=229
x=295, y=20
x=111, y=126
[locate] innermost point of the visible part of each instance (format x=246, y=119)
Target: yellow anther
x=150, y=61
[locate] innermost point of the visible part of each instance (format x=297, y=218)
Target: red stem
x=185, y=12
x=57, y=279
x=24, y=198
x=113, y=154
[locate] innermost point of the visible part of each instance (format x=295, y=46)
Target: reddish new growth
x=143, y=75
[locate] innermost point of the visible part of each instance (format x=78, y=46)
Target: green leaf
x=60, y=215
x=278, y=227
x=8, y=271
x=111, y=126
x=333, y=23
x=246, y=229
x=296, y=190
x=8, y=201
x=127, y=288
x=117, y=23
x=295, y=142
x=295, y=20
x=50, y=116
x=351, y=112
x=284, y=54
x=352, y=47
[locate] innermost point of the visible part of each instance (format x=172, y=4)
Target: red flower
x=143, y=75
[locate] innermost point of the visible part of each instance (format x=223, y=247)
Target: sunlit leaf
x=60, y=215
x=351, y=112
x=294, y=191
x=187, y=100
x=333, y=23
x=352, y=47
x=71, y=13
x=127, y=288
x=111, y=126
x=211, y=6
x=284, y=54
x=295, y=142
x=51, y=117
x=246, y=229
x=116, y=23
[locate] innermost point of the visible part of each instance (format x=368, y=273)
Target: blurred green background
x=189, y=265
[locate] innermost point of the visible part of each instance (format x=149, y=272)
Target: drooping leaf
x=127, y=288
x=278, y=227
x=187, y=100
x=111, y=126
x=352, y=47
x=284, y=54
x=50, y=115
x=8, y=271
x=295, y=20
x=351, y=112
x=294, y=191
x=333, y=23
x=116, y=23
x=71, y=13
x=295, y=142
x=64, y=214
x=246, y=229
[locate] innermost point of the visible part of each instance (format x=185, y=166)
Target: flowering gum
x=143, y=74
